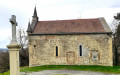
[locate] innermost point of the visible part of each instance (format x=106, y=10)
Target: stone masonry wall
x=96, y=50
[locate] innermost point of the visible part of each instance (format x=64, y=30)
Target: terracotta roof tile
x=69, y=26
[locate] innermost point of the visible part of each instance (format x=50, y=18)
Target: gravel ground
x=66, y=72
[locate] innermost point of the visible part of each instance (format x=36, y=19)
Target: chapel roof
x=73, y=26
x=96, y=25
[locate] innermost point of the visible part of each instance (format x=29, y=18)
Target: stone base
x=14, y=58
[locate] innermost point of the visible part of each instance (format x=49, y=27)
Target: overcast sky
x=52, y=10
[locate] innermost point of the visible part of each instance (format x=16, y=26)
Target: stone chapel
x=69, y=42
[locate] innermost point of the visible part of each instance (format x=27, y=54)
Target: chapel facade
x=70, y=42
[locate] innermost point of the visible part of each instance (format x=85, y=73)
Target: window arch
x=80, y=50
x=56, y=50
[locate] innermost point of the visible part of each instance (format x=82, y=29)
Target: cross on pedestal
x=14, y=49
x=14, y=24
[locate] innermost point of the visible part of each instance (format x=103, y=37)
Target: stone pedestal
x=14, y=58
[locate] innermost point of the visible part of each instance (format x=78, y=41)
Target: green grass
x=105, y=69
x=5, y=73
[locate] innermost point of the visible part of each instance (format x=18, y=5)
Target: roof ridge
x=68, y=19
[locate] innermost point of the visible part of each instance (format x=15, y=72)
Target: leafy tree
x=116, y=38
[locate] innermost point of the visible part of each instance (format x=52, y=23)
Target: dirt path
x=66, y=72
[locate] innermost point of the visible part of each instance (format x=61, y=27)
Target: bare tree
x=22, y=38
x=23, y=42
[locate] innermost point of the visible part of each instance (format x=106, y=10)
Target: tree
x=22, y=38
x=116, y=38
x=23, y=42
x=4, y=61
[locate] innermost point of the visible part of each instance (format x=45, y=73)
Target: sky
x=52, y=10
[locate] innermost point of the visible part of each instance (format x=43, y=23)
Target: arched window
x=56, y=50
x=80, y=50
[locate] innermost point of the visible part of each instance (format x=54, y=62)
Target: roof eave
x=69, y=33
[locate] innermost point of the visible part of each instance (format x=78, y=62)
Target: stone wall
x=96, y=50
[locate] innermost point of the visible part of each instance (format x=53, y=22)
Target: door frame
x=71, y=63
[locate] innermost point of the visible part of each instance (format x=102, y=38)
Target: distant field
x=3, y=49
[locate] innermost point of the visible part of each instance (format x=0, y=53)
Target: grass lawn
x=5, y=73
x=105, y=69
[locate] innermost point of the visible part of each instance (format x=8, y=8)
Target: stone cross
x=14, y=24
x=14, y=49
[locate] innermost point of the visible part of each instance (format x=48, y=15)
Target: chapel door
x=70, y=57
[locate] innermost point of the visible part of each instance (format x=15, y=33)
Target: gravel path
x=66, y=72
